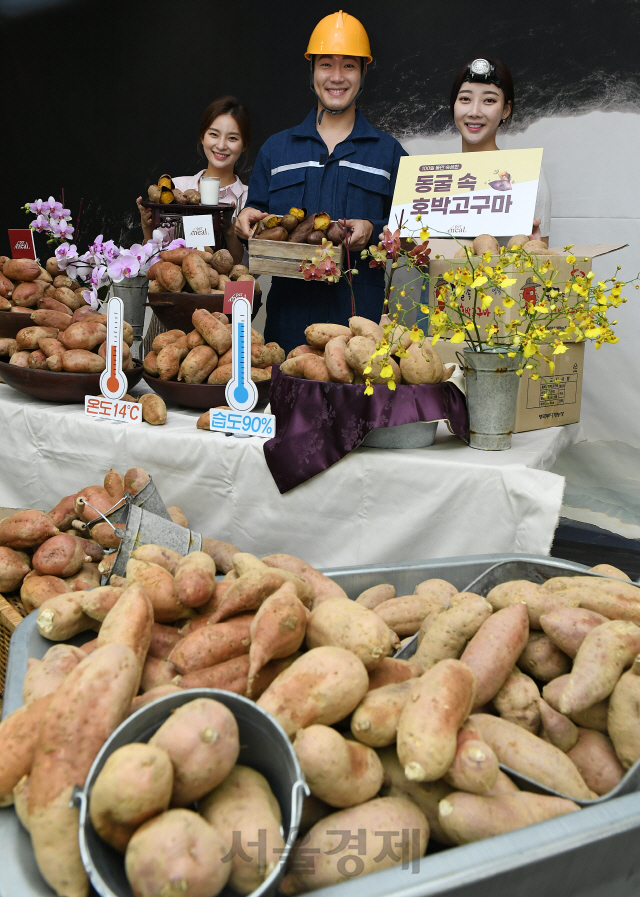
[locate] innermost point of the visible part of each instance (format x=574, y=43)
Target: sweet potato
x=423, y=364
x=475, y=766
x=129, y=622
x=609, y=570
x=277, y=629
x=153, y=694
x=537, y=598
x=198, y=364
x=53, y=304
x=27, y=338
x=46, y=317
x=599, y=663
x=96, y=603
x=177, y=846
x=159, y=585
x=26, y=295
x=594, y=717
x=201, y=738
x=343, y=623
x=212, y=331
x=20, y=359
x=169, y=276
x=556, y=728
x=91, y=500
x=157, y=554
x=169, y=359
x=230, y=675
x=266, y=355
x=427, y=730
x=166, y=339
x=596, y=760
x=377, y=595
x=624, y=718
x=51, y=346
x=406, y=613
x=221, y=375
x=222, y=261
x=517, y=701
x=568, y=626
x=82, y=361
x=157, y=673
x=163, y=640
x=14, y=566
x=21, y=269
x=341, y=773
x=195, y=579
x=336, y=362
x=308, y=367
x=61, y=555
x=26, y=529
x=472, y=817
x=195, y=270
x=135, y=479
x=91, y=702
x=35, y=590
x=193, y=338
x=318, y=335
x=37, y=361
x=19, y=733
x=530, y=756
x=87, y=334
x=613, y=598
x=212, y=644
x=542, y=659
x=322, y=686
x=450, y=630
x=8, y=346
x=364, y=327
x=322, y=586
x=221, y=552
x=391, y=670
x=154, y=409
x=61, y=617
x=375, y=720
x=73, y=300
x=305, y=350
x=334, y=857
x=134, y=785
x=494, y=649
x=436, y=588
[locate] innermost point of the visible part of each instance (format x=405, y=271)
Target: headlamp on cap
x=482, y=70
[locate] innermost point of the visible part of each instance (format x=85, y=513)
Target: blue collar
x=362, y=130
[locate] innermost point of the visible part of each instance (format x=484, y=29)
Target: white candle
x=209, y=191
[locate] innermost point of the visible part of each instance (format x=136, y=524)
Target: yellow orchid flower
x=508, y=302
x=391, y=384
x=479, y=281
x=386, y=370
x=458, y=337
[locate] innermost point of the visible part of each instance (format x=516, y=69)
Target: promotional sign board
x=466, y=194
x=21, y=243
x=198, y=231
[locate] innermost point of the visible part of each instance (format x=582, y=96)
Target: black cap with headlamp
x=482, y=70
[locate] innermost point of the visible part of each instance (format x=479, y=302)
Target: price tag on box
x=247, y=423
x=113, y=410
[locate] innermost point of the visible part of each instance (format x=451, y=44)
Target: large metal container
x=264, y=746
x=591, y=853
x=492, y=392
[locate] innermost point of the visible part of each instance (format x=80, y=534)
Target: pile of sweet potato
x=25, y=285
x=339, y=354
x=199, y=271
x=204, y=354
x=165, y=191
x=298, y=227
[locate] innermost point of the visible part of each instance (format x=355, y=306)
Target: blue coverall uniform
x=356, y=180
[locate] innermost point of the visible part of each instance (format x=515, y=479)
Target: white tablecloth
x=375, y=506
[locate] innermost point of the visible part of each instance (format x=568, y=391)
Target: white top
x=230, y=194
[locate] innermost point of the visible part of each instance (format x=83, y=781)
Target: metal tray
x=592, y=853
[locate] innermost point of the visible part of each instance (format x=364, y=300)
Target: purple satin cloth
x=317, y=424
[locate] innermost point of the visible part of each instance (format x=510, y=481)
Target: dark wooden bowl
x=197, y=395
x=12, y=321
x=174, y=310
x=59, y=387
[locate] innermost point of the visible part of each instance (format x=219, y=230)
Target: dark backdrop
x=101, y=98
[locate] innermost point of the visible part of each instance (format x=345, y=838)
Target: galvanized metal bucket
x=403, y=436
x=133, y=292
x=492, y=391
x=144, y=528
x=264, y=746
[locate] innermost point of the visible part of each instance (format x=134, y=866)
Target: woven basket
x=12, y=612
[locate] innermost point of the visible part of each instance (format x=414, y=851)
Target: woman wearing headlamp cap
x=481, y=102
x=334, y=162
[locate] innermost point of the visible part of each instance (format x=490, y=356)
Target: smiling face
x=478, y=111
x=336, y=80
x=222, y=145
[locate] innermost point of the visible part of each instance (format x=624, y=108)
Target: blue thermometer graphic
x=241, y=392
x=113, y=382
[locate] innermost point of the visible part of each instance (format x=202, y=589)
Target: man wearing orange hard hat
x=334, y=162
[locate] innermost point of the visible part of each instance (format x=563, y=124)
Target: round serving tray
x=51, y=386
x=197, y=395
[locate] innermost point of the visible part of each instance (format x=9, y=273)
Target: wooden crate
x=284, y=259
x=12, y=612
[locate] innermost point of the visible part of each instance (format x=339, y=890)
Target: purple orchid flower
x=60, y=229
x=40, y=225
x=91, y=298
x=54, y=207
x=126, y=265
x=65, y=254
x=39, y=207
x=57, y=214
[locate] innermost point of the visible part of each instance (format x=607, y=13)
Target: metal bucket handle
x=101, y=517
x=465, y=367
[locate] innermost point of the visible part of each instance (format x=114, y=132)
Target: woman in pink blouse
x=225, y=134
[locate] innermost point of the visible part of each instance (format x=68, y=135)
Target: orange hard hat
x=339, y=34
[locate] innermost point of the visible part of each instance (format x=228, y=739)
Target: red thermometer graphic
x=113, y=382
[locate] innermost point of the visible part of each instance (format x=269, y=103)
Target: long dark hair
x=228, y=106
x=504, y=76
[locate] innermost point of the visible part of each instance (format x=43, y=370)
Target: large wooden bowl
x=197, y=395
x=174, y=310
x=51, y=386
x=12, y=321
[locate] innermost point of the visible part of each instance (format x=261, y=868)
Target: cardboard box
x=523, y=289
x=564, y=389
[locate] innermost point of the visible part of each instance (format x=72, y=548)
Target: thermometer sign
x=113, y=382
x=241, y=392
